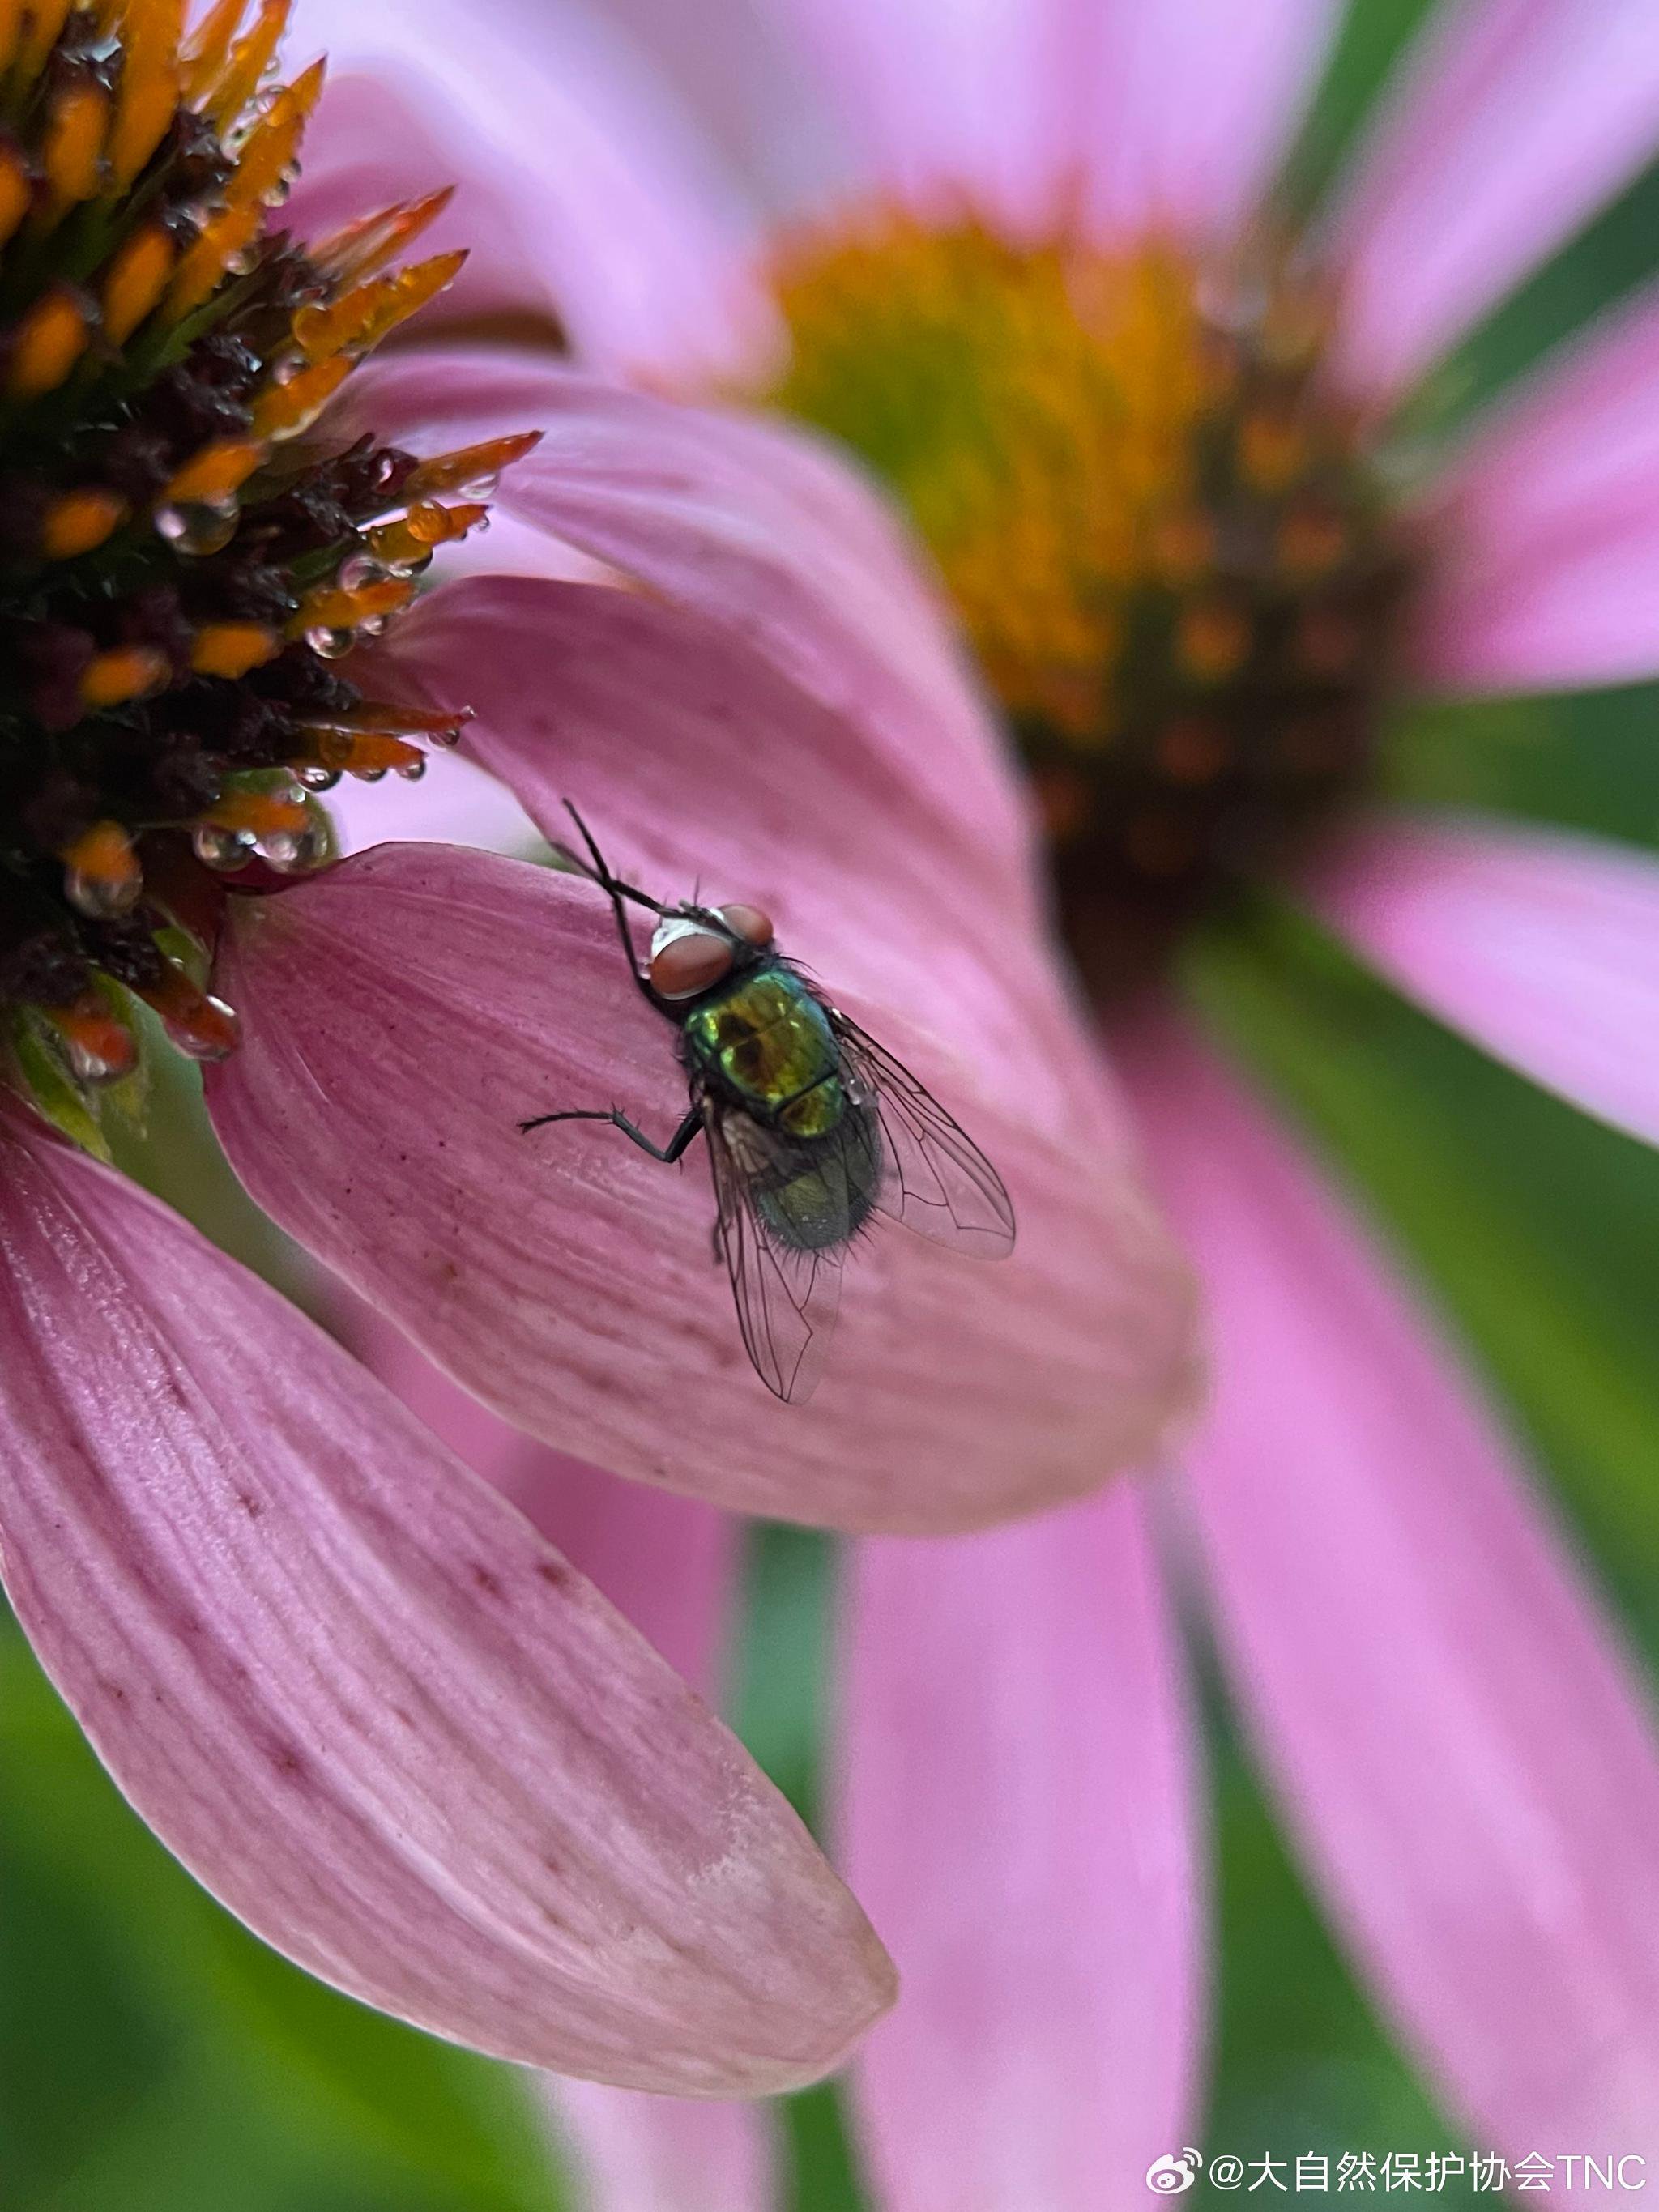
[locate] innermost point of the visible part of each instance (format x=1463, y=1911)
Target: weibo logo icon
x=1170, y=2175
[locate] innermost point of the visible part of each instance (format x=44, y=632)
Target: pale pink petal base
x=670, y=1565
x=403, y=1014
x=1545, y=528
x=363, y=1699
x=1541, y=946
x=1016, y=1796
x=1459, y=1741
x=1513, y=121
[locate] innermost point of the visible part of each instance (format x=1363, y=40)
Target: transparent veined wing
x=786, y=1297
x=936, y=1180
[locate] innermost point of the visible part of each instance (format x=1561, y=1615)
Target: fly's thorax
x=765, y=1043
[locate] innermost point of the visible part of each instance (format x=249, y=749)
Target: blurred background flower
x=1400, y=511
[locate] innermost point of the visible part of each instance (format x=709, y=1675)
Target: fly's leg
x=668, y=1153
x=617, y=892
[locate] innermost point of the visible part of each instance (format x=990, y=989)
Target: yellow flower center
x=1157, y=524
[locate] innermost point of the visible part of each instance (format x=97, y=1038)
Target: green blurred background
x=156, y=2058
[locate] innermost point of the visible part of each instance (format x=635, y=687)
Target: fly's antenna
x=595, y=868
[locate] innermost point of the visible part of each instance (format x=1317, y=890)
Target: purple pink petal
x=404, y=1011
x=362, y=1698
x=1461, y=1744
x=1016, y=1796
x=1511, y=122
x=1543, y=947
x=1543, y=528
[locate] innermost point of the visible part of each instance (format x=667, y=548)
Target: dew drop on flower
x=330, y=644
x=220, y=848
x=102, y=898
x=200, y=526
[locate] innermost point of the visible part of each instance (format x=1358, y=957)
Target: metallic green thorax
x=763, y=1044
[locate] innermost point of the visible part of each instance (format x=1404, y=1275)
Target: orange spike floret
x=328, y=607
x=102, y=861
x=79, y=521
x=272, y=149
x=136, y=278
x=250, y=59
x=51, y=339
x=470, y=465
x=231, y=648
x=124, y=673
x=42, y=22
x=74, y=142
x=204, y=56
x=282, y=411
x=366, y=245
x=214, y=472
x=102, y=1048
x=149, y=86
x=417, y=534
x=204, y=264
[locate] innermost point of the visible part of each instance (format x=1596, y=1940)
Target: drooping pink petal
x=1544, y=530
x=750, y=525
x=1459, y=1741
x=695, y=760
x=1180, y=112
x=669, y=1565
x=1016, y=1792
x=584, y=195
x=359, y=1696
x=1541, y=946
x=405, y=1012
x=1512, y=122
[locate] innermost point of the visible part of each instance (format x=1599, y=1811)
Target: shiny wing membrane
x=935, y=1179
x=787, y=1298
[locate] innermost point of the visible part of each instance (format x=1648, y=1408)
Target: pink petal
x=404, y=1011
x=1183, y=110
x=1544, y=529
x=669, y=1563
x=1459, y=1741
x=457, y=804
x=633, y=2154
x=751, y=526
x=375, y=1712
x=585, y=195
x=1542, y=947
x=1512, y=123
x=949, y=99
x=1017, y=1796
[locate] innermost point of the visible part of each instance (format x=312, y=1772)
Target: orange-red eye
x=749, y=923
x=689, y=964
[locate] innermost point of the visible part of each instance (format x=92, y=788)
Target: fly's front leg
x=667, y=1153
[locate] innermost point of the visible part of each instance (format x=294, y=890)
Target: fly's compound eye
x=685, y=959
x=749, y=923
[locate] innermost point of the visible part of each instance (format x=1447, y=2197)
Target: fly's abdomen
x=822, y=1191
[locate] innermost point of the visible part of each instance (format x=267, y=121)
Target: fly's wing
x=786, y=1298
x=935, y=1179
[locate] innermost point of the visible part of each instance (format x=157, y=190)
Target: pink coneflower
x=1145, y=433
x=362, y=1701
